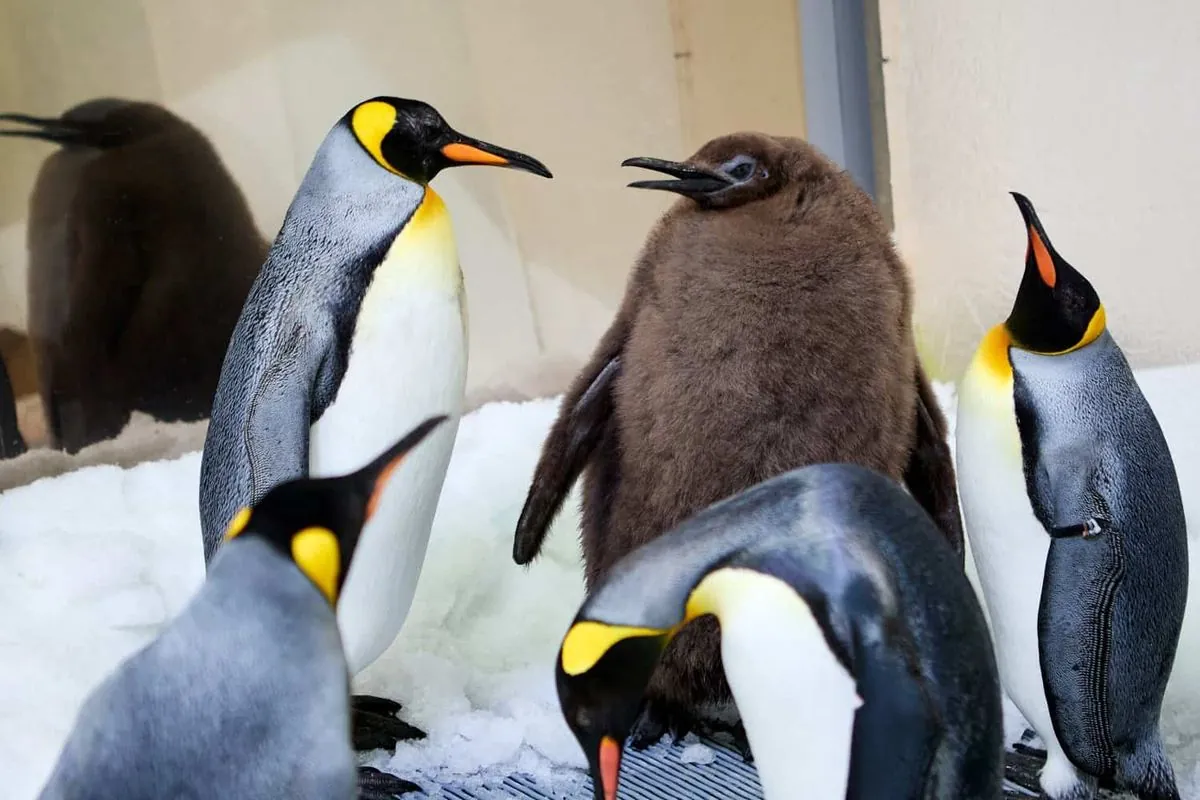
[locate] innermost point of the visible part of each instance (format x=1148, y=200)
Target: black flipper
x=586, y=408
x=1083, y=575
x=929, y=474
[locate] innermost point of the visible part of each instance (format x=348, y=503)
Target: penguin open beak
x=465, y=150
x=1040, y=250
x=692, y=180
x=45, y=128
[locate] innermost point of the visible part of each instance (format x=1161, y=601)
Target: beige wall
x=1087, y=106
x=578, y=83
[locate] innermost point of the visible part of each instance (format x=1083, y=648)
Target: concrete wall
x=580, y=84
x=1087, y=106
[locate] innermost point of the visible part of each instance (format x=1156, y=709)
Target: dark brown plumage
x=142, y=250
x=766, y=325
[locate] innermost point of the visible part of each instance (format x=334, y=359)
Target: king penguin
x=766, y=325
x=142, y=250
x=855, y=647
x=245, y=694
x=1076, y=526
x=354, y=330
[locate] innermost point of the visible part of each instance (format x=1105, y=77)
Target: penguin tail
x=1147, y=772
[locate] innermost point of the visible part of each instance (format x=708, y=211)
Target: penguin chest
x=1008, y=544
x=796, y=701
x=407, y=361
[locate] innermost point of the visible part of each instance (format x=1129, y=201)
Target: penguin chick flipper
x=1075, y=616
x=374, y=784
x=929, y=474
x=582, y=418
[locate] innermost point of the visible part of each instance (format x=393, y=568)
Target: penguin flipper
x=1084, y=571
x=281, y=409
x=929, y=474
x=584, y=414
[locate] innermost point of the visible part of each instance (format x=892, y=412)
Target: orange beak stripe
x=380, y=482
x=469, y=154
x=610, y=766
x=1042, y=257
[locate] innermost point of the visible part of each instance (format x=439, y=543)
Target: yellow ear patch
x=317, y=554
x=588, y=641
x=238, y=523
x=370, y=122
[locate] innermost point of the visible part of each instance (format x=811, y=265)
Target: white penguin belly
x=407, y=362
x=1009, y=547
x=798, y=704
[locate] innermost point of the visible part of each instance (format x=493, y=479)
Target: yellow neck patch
x=238, y=524
x=992, y=355
x=371, y=122
x=317, y=554
x=588, y=641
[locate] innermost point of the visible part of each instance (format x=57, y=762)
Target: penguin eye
x=740, y=168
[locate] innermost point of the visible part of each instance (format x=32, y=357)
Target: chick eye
x=740, y=168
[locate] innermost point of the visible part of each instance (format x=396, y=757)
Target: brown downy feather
x=760, y=331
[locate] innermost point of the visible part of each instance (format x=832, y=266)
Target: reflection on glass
x=142, y=250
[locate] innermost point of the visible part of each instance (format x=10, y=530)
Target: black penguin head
x=102, y=123
x=726, y=172
x=411, y=139
x=1056, y=309
x=316, y=521
x=602, y=671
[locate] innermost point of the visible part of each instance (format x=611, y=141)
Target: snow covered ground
x=94, y=561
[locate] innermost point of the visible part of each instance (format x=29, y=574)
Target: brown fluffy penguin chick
x=765, y=326
x=142, y=250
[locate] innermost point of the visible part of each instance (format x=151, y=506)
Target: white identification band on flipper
x=796, y=700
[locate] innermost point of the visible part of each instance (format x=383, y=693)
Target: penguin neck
x=799, y=704
x=347, y=212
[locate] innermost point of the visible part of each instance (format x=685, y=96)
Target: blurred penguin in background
x=142, y=250
x=12, y=443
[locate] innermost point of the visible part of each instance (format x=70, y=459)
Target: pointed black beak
x=463, y=150
x=692, y=180
x=1041, y=256
x=47, y=129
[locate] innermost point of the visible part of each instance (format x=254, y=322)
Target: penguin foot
x=730, y=734
x=375, y=725
x=1093, y=526
x=659, y=718
x=374, y=784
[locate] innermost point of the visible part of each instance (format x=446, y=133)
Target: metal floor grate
x=658, y=774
